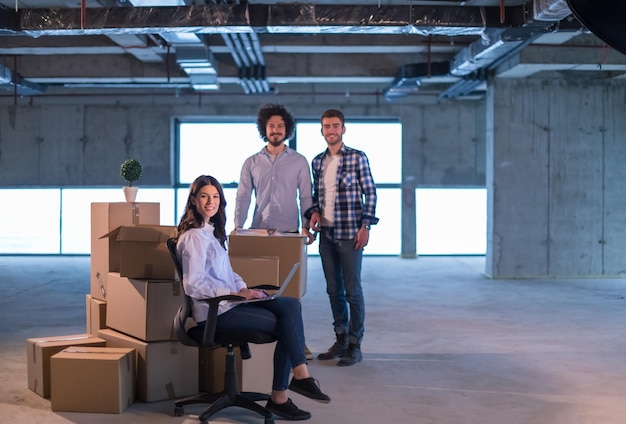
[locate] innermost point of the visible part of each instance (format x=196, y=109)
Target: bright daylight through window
x=449, y=221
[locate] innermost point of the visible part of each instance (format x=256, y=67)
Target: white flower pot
x=130, y=193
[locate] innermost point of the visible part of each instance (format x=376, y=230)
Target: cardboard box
x=288, y=247
x=144, y=309
x=92, y=379
x=96, y=311
x=165, y=370
x=40, y=350
x=253, y=375
x=106, y=217
x=140, y=251
x=257, y=270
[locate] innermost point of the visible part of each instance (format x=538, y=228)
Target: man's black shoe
x=308, y=387
x=288, y=410
x=352, y=356
x=336, y=350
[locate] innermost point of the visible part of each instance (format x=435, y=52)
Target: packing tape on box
x=135, y=213
x=64, y=339
x=101, y=284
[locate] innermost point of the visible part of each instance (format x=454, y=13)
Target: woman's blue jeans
x=342, y=269
x=281, y=317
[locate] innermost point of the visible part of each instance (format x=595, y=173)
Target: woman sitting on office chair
x=207, y=273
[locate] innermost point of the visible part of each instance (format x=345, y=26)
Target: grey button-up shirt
x=282, y=188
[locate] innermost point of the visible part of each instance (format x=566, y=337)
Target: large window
x=449, y=221
x=216, y=149
x=29, y=221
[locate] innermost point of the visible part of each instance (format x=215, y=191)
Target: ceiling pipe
x=238, y=61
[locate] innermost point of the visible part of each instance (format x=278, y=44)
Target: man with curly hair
x=279, y=177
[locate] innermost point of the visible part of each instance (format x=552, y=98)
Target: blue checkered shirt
x=355, y=203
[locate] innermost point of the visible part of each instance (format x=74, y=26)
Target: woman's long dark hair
x=193, y=219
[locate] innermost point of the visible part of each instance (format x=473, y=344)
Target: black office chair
x=214, y=337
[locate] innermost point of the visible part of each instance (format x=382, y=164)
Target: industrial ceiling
x=398, y=48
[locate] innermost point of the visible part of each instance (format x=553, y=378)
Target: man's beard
x=275, y=141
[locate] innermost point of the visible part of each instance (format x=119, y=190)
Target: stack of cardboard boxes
x=129, y=351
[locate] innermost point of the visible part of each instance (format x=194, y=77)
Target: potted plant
x=131, y=170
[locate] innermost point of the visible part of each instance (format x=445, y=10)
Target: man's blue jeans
x=342, y=269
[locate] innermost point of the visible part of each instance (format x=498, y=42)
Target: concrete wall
x=551, y=153
x=556, y=155
x=81, y=141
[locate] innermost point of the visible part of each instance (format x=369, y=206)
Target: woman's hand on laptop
x=251, y=293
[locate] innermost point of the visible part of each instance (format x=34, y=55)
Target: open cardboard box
x=106, y=217
x=140, y=251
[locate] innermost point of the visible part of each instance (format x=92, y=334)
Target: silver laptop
x=279, y=292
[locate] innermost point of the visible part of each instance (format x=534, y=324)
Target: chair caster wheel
x=269, y=420
x=179, y=411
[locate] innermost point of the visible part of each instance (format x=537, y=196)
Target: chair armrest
x=208, y=338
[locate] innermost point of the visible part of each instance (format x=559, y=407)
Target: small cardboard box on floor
x=165, y=370
x=143, y=309
x=288, y=247
x=92, y=379
x=106, y=217
x=40, y=350
x=140, y=251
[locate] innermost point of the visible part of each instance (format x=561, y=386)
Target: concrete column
x=553, y=158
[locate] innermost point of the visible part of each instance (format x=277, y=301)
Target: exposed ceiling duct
x=476, y=43
x=198, y=62
x=14, y=83
x=490, y=47
x=409, y=78
x=476, y=62
x=550, y=10
x=246, y=52
x=262, y=18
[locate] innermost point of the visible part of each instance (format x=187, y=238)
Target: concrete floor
x=443, y=345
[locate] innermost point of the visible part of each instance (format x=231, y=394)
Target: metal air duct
x=408, y=78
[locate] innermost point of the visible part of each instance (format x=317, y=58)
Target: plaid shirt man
x=354, y=179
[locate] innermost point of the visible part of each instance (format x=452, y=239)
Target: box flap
x=145, y=233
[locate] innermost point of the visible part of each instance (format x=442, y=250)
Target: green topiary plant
x=131, y=170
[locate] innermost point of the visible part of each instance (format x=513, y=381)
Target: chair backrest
x=184, y=312
x=211, y=336
x=171, y=246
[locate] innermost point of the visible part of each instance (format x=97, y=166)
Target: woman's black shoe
x=308, y=387
x=288, y=410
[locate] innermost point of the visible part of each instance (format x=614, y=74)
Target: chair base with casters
x=230, y=396
x=211, y=336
